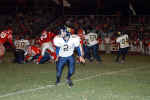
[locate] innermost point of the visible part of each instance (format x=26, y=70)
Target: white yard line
x=50, y=86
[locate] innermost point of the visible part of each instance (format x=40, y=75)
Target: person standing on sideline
x=123, y=42
x=65, y=45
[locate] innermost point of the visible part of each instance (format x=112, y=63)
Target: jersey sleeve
x=10, y=40
x=27, y=42
x=57, y=41
x=76, y=41
x=118, y=40
x=77, y=44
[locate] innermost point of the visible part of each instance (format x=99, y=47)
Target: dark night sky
x=141, y=6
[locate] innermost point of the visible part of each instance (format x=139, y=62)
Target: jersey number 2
x=65, y=47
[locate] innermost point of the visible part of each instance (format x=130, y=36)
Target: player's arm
x=57, y=53
x=10, y=40
x=79, y=51
x=118, y=40
x=80, y=55
x=56, y=42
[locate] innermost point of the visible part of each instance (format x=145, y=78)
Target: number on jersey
x=20, y=45
x=92, y=37
x=124, y=41
x=65, y=47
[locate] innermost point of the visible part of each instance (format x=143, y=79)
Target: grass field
x=106, y=81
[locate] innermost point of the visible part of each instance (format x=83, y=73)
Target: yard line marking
x=26, y=91
x=86, y=78
x=109, y=73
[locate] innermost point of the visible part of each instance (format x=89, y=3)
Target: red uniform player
x=46, y=42
x=32, y=52
x=5, y=36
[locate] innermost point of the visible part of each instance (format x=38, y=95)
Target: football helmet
x=65, y=34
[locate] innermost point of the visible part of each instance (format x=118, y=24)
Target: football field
x=92, y=81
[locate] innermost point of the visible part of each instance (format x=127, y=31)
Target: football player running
x=123, y=42
x=93, y=45
x=65, y=45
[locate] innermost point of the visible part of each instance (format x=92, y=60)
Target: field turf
x=92, y=81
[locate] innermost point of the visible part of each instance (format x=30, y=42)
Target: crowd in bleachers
x=107, y=27
x=32, y=23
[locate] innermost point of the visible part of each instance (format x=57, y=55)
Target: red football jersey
x=5, y=36
x=33, y=50
x=46, y=37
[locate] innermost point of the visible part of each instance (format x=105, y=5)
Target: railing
x=121, y=19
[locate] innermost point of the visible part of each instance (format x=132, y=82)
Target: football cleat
x=122, y=61
x=57, y=82
x=69, y=82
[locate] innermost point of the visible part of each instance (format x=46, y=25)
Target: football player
x=65, y=45
x=93, y=46
x=5, y=36
x=21, y=46
x=33, y=53
x=46, y=40
x=123, y=41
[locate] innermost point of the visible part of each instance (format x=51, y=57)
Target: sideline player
x=65, y=45
x=123, y=41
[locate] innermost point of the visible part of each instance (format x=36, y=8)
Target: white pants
x=45, y=46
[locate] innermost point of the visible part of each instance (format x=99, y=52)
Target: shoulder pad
x=58, y=36
x=75, y=36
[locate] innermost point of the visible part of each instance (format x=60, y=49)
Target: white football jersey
x=123, y=41
x=67, y=48
x=21, y=44
x=91, y=39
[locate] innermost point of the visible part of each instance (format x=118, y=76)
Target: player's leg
x=71, y=70
x=96, y=53
x=2, y=52
x=45, y=58
x=118, y=55
x=89, y=53
x=45, y=46
x=19, y=56
x=50, y=47
x=71, y=64
x=59, y=68
x=86, y=53
x=124, y=53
